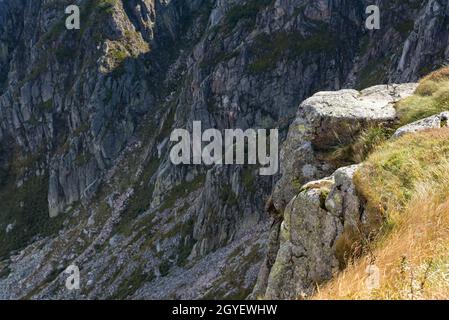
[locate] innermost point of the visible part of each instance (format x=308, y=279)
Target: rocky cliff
x=85, y=117
x=326, y=222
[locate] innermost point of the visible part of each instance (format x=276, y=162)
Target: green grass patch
x=228, y=196
x=248, y=179
x=364, y=142
x=26, y=208
x=430, y=98
x=132, y=283
x=187, y=242
x=141, y=199
x=244, y=12
x=47, y=106
x=372, y=74
x=181, y=191
x=405, y=27
x=393, y=173
x=269, y=49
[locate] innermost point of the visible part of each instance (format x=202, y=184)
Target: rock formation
x=85, y=117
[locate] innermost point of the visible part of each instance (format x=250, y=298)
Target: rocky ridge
x=325, y=222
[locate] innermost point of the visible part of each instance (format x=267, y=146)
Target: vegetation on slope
x=246, y=12
x=24, y=209
x=431, y=97
x=406, y=181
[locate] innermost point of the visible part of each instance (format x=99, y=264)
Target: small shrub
x=364, y=142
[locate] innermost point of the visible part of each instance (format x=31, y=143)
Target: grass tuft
x=430, y=98
x=406, y=182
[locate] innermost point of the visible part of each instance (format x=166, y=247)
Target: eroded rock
x=433, y=122
x=327, y=120
x=320, y=228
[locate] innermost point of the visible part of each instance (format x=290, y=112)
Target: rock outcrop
x=436, y=121
x=317, y=223
x=324, y=221
x=325, y=121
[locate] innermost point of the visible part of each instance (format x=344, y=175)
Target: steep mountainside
x=86, y=115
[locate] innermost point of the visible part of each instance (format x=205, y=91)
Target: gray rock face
x=320, y=224
x=418, y=45
x=433, y=122
x=88, y=114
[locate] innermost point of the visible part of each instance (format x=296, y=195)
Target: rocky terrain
x=85, y=120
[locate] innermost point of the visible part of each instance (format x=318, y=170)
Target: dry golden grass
x=406, y=181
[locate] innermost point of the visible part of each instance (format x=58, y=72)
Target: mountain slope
x=377, y=226
x=85, y=118
x=411, y=253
